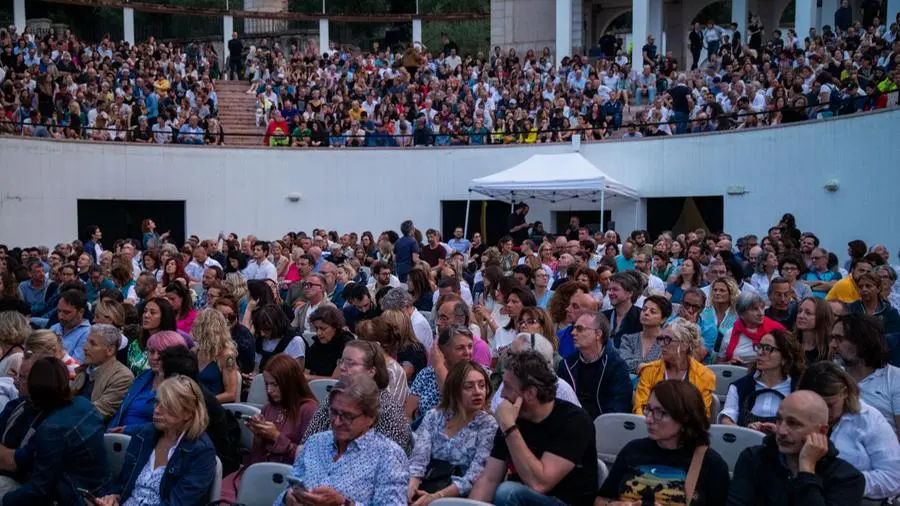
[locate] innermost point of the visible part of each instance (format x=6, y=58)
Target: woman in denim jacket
x=171, y=461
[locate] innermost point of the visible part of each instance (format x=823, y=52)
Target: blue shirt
x=403, y=252
x=426, y=388
x=623, y=264
x=32, y=296
x=74, y=339
x=372, y=471
x=462, y=245
x=152, y=103
x=137, y=407
x=566, y=342
x=821, y=276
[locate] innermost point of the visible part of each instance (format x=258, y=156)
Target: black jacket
x=631, y=324
x=761, y=478
x=603, y=386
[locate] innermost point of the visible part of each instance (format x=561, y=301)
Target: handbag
x=690, y=483
x=438, y=476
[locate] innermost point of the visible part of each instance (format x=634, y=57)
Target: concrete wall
x=530, y=24
x=782, y=169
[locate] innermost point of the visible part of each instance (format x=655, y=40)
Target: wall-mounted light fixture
x=736, y=190
x=832, y=185
x=294, y=197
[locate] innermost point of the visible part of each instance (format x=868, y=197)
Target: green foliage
x=470, y=36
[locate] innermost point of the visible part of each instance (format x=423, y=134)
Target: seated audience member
x=455, y=438
x=102, y=378
x=679, y=341
x=796, y=465
x=690, y=275
x=749, y=328
x=859, y=432
x=720, y=311
x=452, y=310
x=454, y=345
x=815, y=321
x=753, y=400
x=158, y=316
x=45, y=342
x=379, y=331
x=274, y=335
x=179, y=296
x=537, y=342
x=857, y=343
x=361, y=306
x=624, y=317
x=172, y=460
x=691, y=309
x=279, y=429
x=363, y=357
x=240, y=335
x=596, y=372
x=328, y=345
x=14, y=328
x=401, y=340
x=639, y=348
x=374, y=470
x=66, y=451
x=137, y=407
x=534, y=320
x=9, y=295
x=17, y=421
x=216, y=355
x=675, y=458
x=579, y=303
x=782, y=306
x=549, y=443
x=872, y=303
x=73, y=328
x=400, y=299
x=846, y=289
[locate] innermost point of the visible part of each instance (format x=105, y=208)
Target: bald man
x=796, y=465
x=580, y=303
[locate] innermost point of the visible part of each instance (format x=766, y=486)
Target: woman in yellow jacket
x=678, y=342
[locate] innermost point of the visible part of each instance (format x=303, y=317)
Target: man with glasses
x=783, y=308
x=381, y=278
x=717, y=271
x=580, y=303
x=789, y=267
x=544, y=443
x=334, y=290
x=798, y=464
x=819, y=277
x=362, y=306
x=313, y=298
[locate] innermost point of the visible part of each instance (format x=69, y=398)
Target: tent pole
x=602, y=209
x=637, y=209
x=466, y=223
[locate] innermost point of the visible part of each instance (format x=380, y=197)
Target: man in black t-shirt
x=546, y=444
x=681, y=109
x=518, y=227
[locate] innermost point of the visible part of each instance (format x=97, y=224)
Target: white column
x=128, y=23
x=640, y=15
x=655, y=23
x=19, y=16
x=563, y=29
x=323, y=35
x=227, y=30
x=739, y=15
x=417, y=30
x=805, y=18
x=826, y=14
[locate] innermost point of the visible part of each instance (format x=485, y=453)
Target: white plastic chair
x=730, y=440
x=725, y=375
x=215, y=492
x=116, y=445
x=262, y=482
x=321, y=387
x=602, y=472
x=237, y=397
x=257, y=394
x=715, y=408
x=243, y=409
x=459, y=501
x=613, y=431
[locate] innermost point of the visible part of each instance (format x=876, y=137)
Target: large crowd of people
x=59, y=86
x=461, y=369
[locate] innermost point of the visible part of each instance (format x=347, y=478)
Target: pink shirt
x=481, y=352
x=187, y=322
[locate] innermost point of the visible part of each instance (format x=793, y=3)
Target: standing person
x=843, y=17
x=549, y=443
x=406, y=250
x=516, y=224
x=235, y=56
x=712, y=35
x=151, y=239
x=695, y=42
x=680, y=107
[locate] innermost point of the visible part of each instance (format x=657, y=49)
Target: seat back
x=730, y=440
x=237, y=397
x=602, y=472
x=614, y=430
x=725, y=375
x=241, y=411
x=321, y=387
x=715, y=408
x=215, y=492
x=257, y=394
x=116, y=445
x=262, y=482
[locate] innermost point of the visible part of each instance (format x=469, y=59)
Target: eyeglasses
x=348, y=363
x=530, y=321
x=664, y=340
x=310, y=285
x=582, y=328
x=692, y=307
x=343, y=415
x=764, y=349
x=655, y=413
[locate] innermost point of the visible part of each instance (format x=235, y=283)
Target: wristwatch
x=510, y=430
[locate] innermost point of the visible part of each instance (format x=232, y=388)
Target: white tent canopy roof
x=556, y=177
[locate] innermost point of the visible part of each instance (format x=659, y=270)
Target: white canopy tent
x=551, y=178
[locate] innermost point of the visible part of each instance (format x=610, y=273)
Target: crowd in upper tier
x=455, y=368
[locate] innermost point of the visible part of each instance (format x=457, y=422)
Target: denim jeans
x=681, y=124
x=651, y=94
x=513, y=493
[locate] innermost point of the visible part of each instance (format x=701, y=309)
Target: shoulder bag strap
x=690, y=484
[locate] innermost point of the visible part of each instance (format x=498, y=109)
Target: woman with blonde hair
x=14, y=328
x=382, y=331
x=46, y=342
x=679, y=344
x=723, y=294
x=172, y=459
x=237, y=284
x=216, y=354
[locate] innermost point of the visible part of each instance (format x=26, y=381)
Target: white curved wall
x=783, y=169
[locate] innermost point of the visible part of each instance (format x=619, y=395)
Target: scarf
x=739, y=329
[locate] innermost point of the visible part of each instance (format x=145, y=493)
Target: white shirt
x=866, y=441
x=195, y=270
x=881, y=390
x=766, y=405
x=563, y=391
x=760, y=281
x=261, y=270
x=393, y=283
x=464, y=292
x=422, y=329
x=295, y=349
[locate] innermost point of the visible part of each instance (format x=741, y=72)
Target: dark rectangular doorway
x=685, y=214
x=589, y=219
x=121, y=219
x=486, y=216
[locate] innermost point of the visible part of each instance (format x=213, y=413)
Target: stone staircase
x=237, y=112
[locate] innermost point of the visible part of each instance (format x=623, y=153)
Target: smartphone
x=295, y=482
x=245, y=416
x=87, y=495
